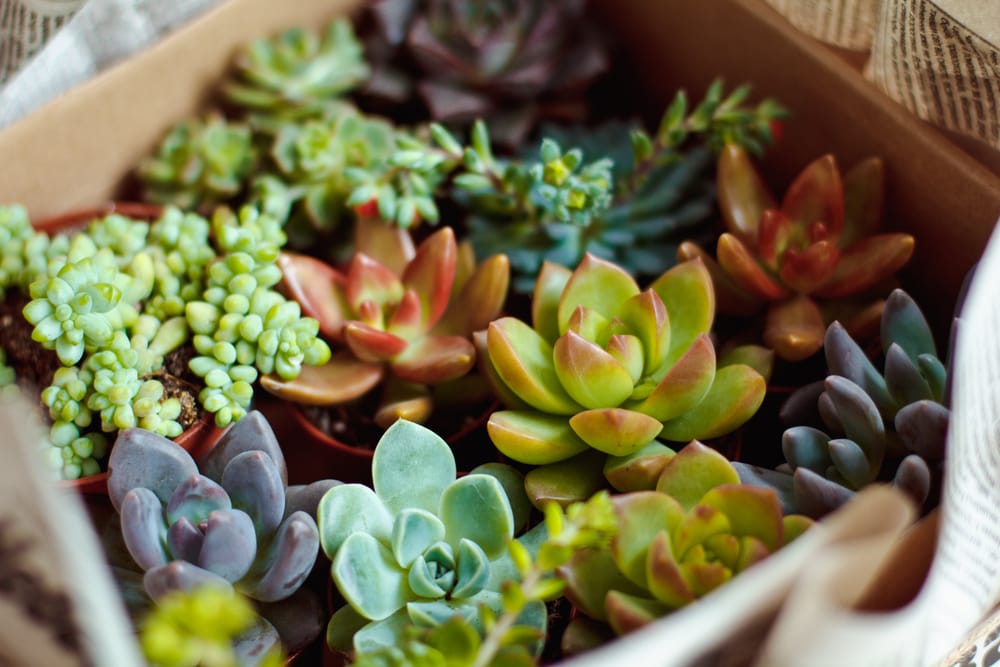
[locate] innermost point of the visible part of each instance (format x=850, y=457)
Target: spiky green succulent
x=200, y=162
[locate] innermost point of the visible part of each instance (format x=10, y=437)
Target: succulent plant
x=71, y=454
x=181, y=252
x=299, y=73
x=8, y=379
x=820, y=244
x=200, y=162
x=411, y=327
x=512, y=63
x=228, y=524
x=675, y=544
x=609, y=367
x=420, y=549
x=878, y=425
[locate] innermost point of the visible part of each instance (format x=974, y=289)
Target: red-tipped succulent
x=404, y=330
x=820, y=243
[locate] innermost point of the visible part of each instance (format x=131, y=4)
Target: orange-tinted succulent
x=820, y=243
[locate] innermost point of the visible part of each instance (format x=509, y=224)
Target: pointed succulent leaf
x=318, y=289
x=566, y=482
x=481, y=299
x=392, y=246
x=143, y=528
x=348, y=509
x=406, y=321
x=757, y=357
x=615, y=431
x=512, y=481
x=627, y=350
x=641, y=515
x=426, y=580
x=431, y=273
x=598, y=284
x=700, y=523
x=402, y=400
x=342, y=379
x=859, y=416
x=639, y=470
x=743, y=197
x=230, y=544
x=734, y=397
x=486, y=370
x=252, y=433
x=867, y=263
x=523, y=360
x=288, y=561
x=752, y=551
x=591, y=376
x=817, y=195
x=627, y=613
x=903, y=378
x=590, y=575
x=775, y=233
x=851, y=464
x=703, y=578
x=904, y=324
x=370, y=344
x=184, y=540
x=730, y=297
x=689, y=297
x=736, y=260
x=816, y=495
x=781, y=483
x=549, y=287
x=751, y=511
x=807, y=270
x=794, y=328
x=534, y=438
x=476, y=507
x=196, y=498
x=435, y=359
x=179, y=575
x=913, y=477
x=403, y=444
x=864, y=192
x=590, y=324
x=368, y=577
x=806, y=447
x=141, y=458
x=694, y=471
x=473, y=569
x=845, y=358
x=685, y=385
x=370, y=281
x=413, y=532
x=254, y=485
x=646, y=317
x=923, y=428
x=935, y=373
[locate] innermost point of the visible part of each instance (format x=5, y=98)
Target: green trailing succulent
x=181, y=252
x=675, y=544
x=421, y=549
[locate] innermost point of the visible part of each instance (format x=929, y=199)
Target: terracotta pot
x=75, y=219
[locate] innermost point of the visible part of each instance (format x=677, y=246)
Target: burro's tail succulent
x=230, y=524
x=696, y=531
x=819, y=245
x=411, y=329
x=610, y=367
x=421, y=548
x=889, y=425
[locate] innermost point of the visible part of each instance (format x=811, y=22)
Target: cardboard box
x=77, y=151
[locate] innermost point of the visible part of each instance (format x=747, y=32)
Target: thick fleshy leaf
x=549, y=287
x=143, y=528
x=700, y=524
x=703, y=578
x=475, y=507
x=288, y=561
x=807, y=270
x=904, y=324
x=230, y=544
x=431, y=273
x=598, y=284
x=913, y=477
x=481, y=299
x=685, y=385
x=369, y=281
x=342, y=379
x=429, y=579
x=349, y=509
x=584, y=634
x=627, y=350
x=742, y=195
x=817, y=195
x=794, y=328
x=472, y=568
x=752, y=551
x=391, y=245
x=773, y=238
x=757, y=357
x=903, y=378
x=512, y=481
x=591, y=325
x=369, y=578
x=591, y=376
x=319, y=290
x=639, y=470
x=532, y=437
x=179, y=575
x=406, y=320
x=794, y=525
x=751, y=511
x=850, y=462
x=816, y=495
x=641, y=515
x=253, y=433
x=196, y=498
x=184, y=540
x=141, y=458
x=403, y=400
x=736, y=260
x=566, y=482
x=489, y=374
x=413, y=532
x=646, y=318
x=372, y=345
x=254, y=485
x=403, y=446
x=689, y=297
x=864, y=192
x=730, y=297
x=735, y=395
x=589, y=576
x=859, y=416
x=627, y=613
x=780, y=482
x=693, y=472
x=615, y=431
x=867, y=263
x=523, y=360
x=923, y=427
x=806, y=447
x=435, y=359
x=845, y=357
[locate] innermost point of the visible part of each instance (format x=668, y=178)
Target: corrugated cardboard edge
x=48, y=164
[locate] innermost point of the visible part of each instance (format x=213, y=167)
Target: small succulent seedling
x=674, y=545
x=419, y=549
x=820, y=244
x=225, y=524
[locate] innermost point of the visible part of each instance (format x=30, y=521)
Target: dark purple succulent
x=235, y=521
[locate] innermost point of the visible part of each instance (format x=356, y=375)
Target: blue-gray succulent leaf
x=230, y=544
x=904, y=324
x=428, y=579
x=367, y=575
x=143, y=529
x=859, y=415
x=436, y=612
x=413, y=532
x=851, y=462
x=472, y=568
x=252, y=646
x=285, y=563
x=512, y=481
x=306, y=497
x=903, y=377
x=844, y=357
x=195, y=498
x=913, y=476
x=254, y=485
x=923, y=428
x=806, y=447
x=184, y=540
x=141, y=458
x=179, y=575
x=253, y=432
x=935, y=373
x=349, y=509
x=400, y=447
x=816, y=495
x=476, y=507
